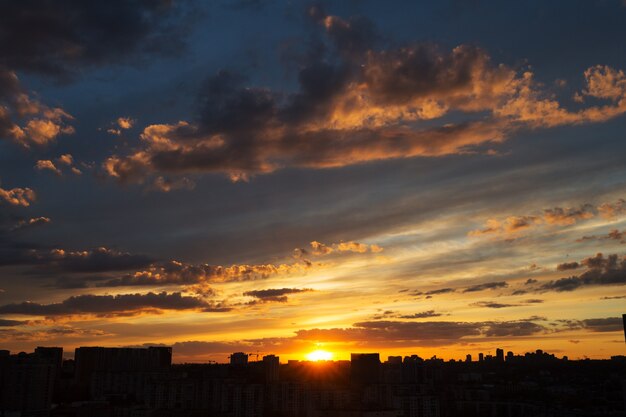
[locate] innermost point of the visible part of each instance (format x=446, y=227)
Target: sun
x=319, y=355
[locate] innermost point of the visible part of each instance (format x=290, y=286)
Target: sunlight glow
x=319, y=355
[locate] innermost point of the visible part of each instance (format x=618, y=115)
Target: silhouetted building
x=500, y=355
x=239, y=358
x=104, y=372
x=271, y=365
x=365, y=368
x=27, y=383
x=394, y=359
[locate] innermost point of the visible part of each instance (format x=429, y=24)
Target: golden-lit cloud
x=370, y=106
x=556, y=216
x=179, y=273
x=18, y=196
x=318, y=248
x=122, y=123
x=46, y=164
x=24, y=119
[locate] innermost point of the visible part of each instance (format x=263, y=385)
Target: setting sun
x=319, y=355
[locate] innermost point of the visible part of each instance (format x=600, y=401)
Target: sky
x=280, y=177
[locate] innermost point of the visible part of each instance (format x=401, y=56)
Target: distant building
x=394, y=360
x=500, y=355
x=271, y=366
x=365, y=367
x=27, y=383
x=103, y=372
x=239, y=358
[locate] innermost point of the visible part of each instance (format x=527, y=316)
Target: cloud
x=178, y=273
x=437, y=291
x=551, y=216
x=11, y=323
x=568, y=216
x=122, y=123
x=24, y=119
x=609, y=324
x=18, y=196
x=612, y=235
x=166, y=184
x=421, y=315
x=275, y=294
x=60, y=260
x=66, y=161
x=46, y=164
x=493, y=304
x=362, y=105
x=60, y=38
x=422, y=333
x=612, y=210
x=486, y=286
x=37, y=335
x=103, y=305
x=33, y=221
x=601, y=270
x=566, y=266
x=318, y=248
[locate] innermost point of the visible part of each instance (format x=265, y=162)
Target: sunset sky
x=403, y=177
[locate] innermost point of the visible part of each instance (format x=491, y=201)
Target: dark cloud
x=60, y=260
x=493, y=304
x=486, y=286
x=566, y=266
x=513, y=328
x=104, y=305
x=612, y=235
x=275, y=294
x=440, y=291
x=59, y=37
x=609, y=324
x=421, y=315
x=179, y=273
x=32, y=222
x=609, y=270
x=568, y=216
x=11, y=323
x=432, y=332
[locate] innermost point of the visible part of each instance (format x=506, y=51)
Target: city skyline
x=312, y=179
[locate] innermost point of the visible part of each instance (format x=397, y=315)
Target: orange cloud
x=351, y=246
x=557, y=216
x=46, y=164
x=369, y=108
x=18, y=196
x=24, y=119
